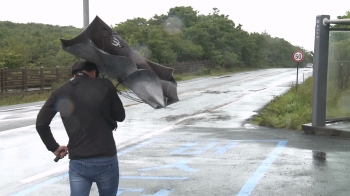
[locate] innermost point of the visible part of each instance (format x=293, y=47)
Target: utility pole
x=86, y=13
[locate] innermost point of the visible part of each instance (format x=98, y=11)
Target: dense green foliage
x=184, y=35
x=34, y=45
x=178, y=36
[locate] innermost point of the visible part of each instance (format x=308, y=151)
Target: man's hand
x=62, y=151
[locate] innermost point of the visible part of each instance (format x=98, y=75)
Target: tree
x=160, y=47
x=185, y=49
x=220, y=39
x=32, y=45
x=134, y=32
x=187, y=15
x=345, y=16
x=10, y=60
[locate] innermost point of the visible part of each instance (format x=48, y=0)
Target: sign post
x=298, y=56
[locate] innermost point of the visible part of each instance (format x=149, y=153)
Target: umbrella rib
x=126, y=93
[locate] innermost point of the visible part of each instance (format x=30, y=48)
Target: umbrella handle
x=58, y=157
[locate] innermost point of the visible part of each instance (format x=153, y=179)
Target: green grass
x=288, y=111
x=19, y=98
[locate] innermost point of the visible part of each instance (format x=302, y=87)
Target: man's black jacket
x=89, y=108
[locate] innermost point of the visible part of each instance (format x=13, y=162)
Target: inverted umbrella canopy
x=154, y=84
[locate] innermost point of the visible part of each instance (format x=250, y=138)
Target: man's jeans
x=103, y=170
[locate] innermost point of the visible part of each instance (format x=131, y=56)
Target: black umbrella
x=154, y=84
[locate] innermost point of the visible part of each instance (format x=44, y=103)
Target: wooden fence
x=15, y=80
x=25, y=80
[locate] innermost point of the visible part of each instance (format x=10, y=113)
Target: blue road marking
x=222, y=150
x=184, y=148
x=180, y=165
x=199, y=150
x=122, y=190
x=249, y=186
x=136, y=146
x=154, y=177
x=162, y=192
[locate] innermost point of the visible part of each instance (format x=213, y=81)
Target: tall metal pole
x=86, y=13
x=320, y=71
x=297, y=76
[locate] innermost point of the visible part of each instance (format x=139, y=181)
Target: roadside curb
x=327, y=131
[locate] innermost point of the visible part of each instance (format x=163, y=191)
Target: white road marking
x=60, y=169
x=17, y=119
x=20, y=108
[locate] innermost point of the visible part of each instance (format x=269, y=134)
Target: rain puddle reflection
x=319, y=159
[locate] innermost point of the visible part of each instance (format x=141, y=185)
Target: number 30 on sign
x=298, y=56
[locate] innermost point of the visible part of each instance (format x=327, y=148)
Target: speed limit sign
x=298, y=56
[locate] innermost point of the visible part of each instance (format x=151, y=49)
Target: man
x=89, y=108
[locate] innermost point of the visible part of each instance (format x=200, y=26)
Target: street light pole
x=86, y=13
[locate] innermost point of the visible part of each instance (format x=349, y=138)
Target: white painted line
x=145, y=137
x=60, y=169
x=25, y=128
x=17, y=119
x=158, y=132
x=191, y=117
x=252, y=94
x=10, y=131
x=189, y=82
x=20, y=108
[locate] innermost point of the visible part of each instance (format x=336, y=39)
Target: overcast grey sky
x=293, y=21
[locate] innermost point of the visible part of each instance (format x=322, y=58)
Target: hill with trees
x=180, y=35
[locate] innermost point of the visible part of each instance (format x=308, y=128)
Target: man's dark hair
x=84, y=65
x=77, y=66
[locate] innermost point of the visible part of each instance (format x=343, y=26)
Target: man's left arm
x=43, y=121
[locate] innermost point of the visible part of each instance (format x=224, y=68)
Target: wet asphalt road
x=202, y=145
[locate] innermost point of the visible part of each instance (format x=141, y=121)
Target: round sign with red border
x=298, y=56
